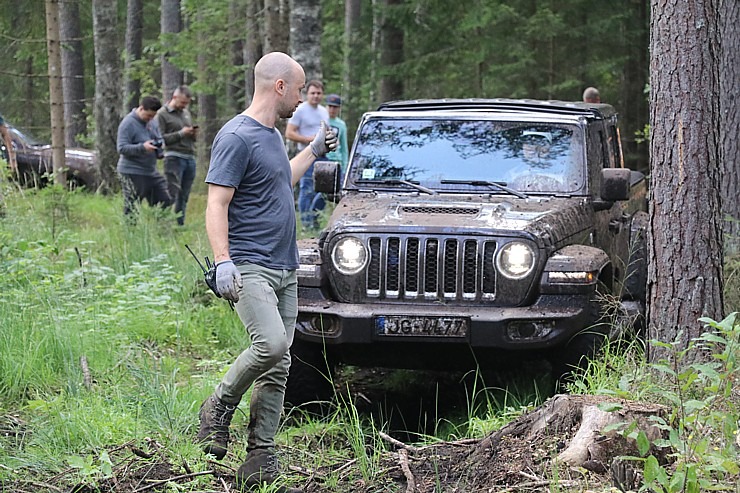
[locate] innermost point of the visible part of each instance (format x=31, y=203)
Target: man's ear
x=280, y=86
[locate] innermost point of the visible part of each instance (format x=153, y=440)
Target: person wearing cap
x=333, y=105
x=301, y=129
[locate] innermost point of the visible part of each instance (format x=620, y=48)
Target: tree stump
x=569, y=430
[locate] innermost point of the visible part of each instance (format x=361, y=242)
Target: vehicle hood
x=548, y=220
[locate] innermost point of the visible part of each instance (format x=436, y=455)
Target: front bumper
x=551, y=321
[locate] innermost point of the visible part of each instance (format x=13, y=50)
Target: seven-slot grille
x=430, y=268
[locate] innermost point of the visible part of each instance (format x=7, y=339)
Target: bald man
x=591, y=95
x=251, y=226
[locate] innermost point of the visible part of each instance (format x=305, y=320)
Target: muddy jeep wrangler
x=471, y=234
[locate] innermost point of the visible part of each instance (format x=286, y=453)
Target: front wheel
x=311, y=376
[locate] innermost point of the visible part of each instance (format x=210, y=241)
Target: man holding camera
x=140, y=145
x=179, y=135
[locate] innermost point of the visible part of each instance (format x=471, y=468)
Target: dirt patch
x=528, y=454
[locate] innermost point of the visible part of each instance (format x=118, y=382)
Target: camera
x=159, y=144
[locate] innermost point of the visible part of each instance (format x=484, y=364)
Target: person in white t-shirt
x=302, y=128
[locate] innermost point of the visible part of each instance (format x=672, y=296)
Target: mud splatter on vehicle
x=472, y=234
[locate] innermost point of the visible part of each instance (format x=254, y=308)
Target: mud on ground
x=512, y=461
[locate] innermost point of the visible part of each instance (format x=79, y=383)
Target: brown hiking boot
x=260, y=467
x=215, y=418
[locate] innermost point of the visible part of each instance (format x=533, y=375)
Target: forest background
x=155, y=346
x=365, y=51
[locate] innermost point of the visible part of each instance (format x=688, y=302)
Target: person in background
x=251, y=226
x=179, y=134
x=139, y=144
x=591, y=95
x=334, y=105
x=301, y=129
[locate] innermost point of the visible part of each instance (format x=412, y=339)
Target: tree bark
x=305, y=33
x=73, y=73
x=276, y=28
x=207, y=107
x=56, y=91
x=352, y=48
x=234, y=86
x=685, y=233
x=134, y=34
x=252, y=47
x=172, y=77
x=391, y=54
x=107, y=89
x=730, y=122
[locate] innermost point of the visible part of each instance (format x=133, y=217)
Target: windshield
x=441, y=154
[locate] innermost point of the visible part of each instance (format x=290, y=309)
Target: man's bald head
x=274, y=66
x=591, y=95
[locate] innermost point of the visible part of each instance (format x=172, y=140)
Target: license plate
x=422, y=326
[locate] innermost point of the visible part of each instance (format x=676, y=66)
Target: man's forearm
x=300, y=163
x=217, y=228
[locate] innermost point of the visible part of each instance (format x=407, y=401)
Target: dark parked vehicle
x=35, y=162
x=472, y=234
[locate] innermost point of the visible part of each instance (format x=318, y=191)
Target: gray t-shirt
x=251, y=158
x=307, y=119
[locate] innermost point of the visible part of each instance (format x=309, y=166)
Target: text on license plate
x=421, y=326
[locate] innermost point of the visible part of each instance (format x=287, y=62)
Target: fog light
x=525, y=330
x=324, y=325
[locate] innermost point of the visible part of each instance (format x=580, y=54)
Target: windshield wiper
x=396, y=181
x=497, y=185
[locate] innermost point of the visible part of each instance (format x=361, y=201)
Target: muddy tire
x=635, y=282
x=311, y=375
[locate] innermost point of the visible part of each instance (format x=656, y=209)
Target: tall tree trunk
x=56, y=91
x=276, y=29
x=685, y=234
x=234, y=86
x=171, y=19
x=305, y=31
x=134, y=34
x=729, y=83
x=633, y=111
x=374, y=49
x=29, y=90
x=391, y=53
x=107, y=88
x=207, y=107
x=352, y=48
x=252, y=47
x=73, y=72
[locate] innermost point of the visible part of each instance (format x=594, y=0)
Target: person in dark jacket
x=179, y=136
x=139, y=144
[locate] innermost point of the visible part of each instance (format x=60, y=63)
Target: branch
x=403, y=460
x=397, y=443
x=160, y=482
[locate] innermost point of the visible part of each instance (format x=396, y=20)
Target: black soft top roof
x=599, y=110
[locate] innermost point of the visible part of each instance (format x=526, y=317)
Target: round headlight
x=515, y=260
x=349, y=255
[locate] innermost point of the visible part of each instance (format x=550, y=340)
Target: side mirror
x=615, y=184
x=326, y=177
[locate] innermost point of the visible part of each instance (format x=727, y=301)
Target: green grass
x=78, y=282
